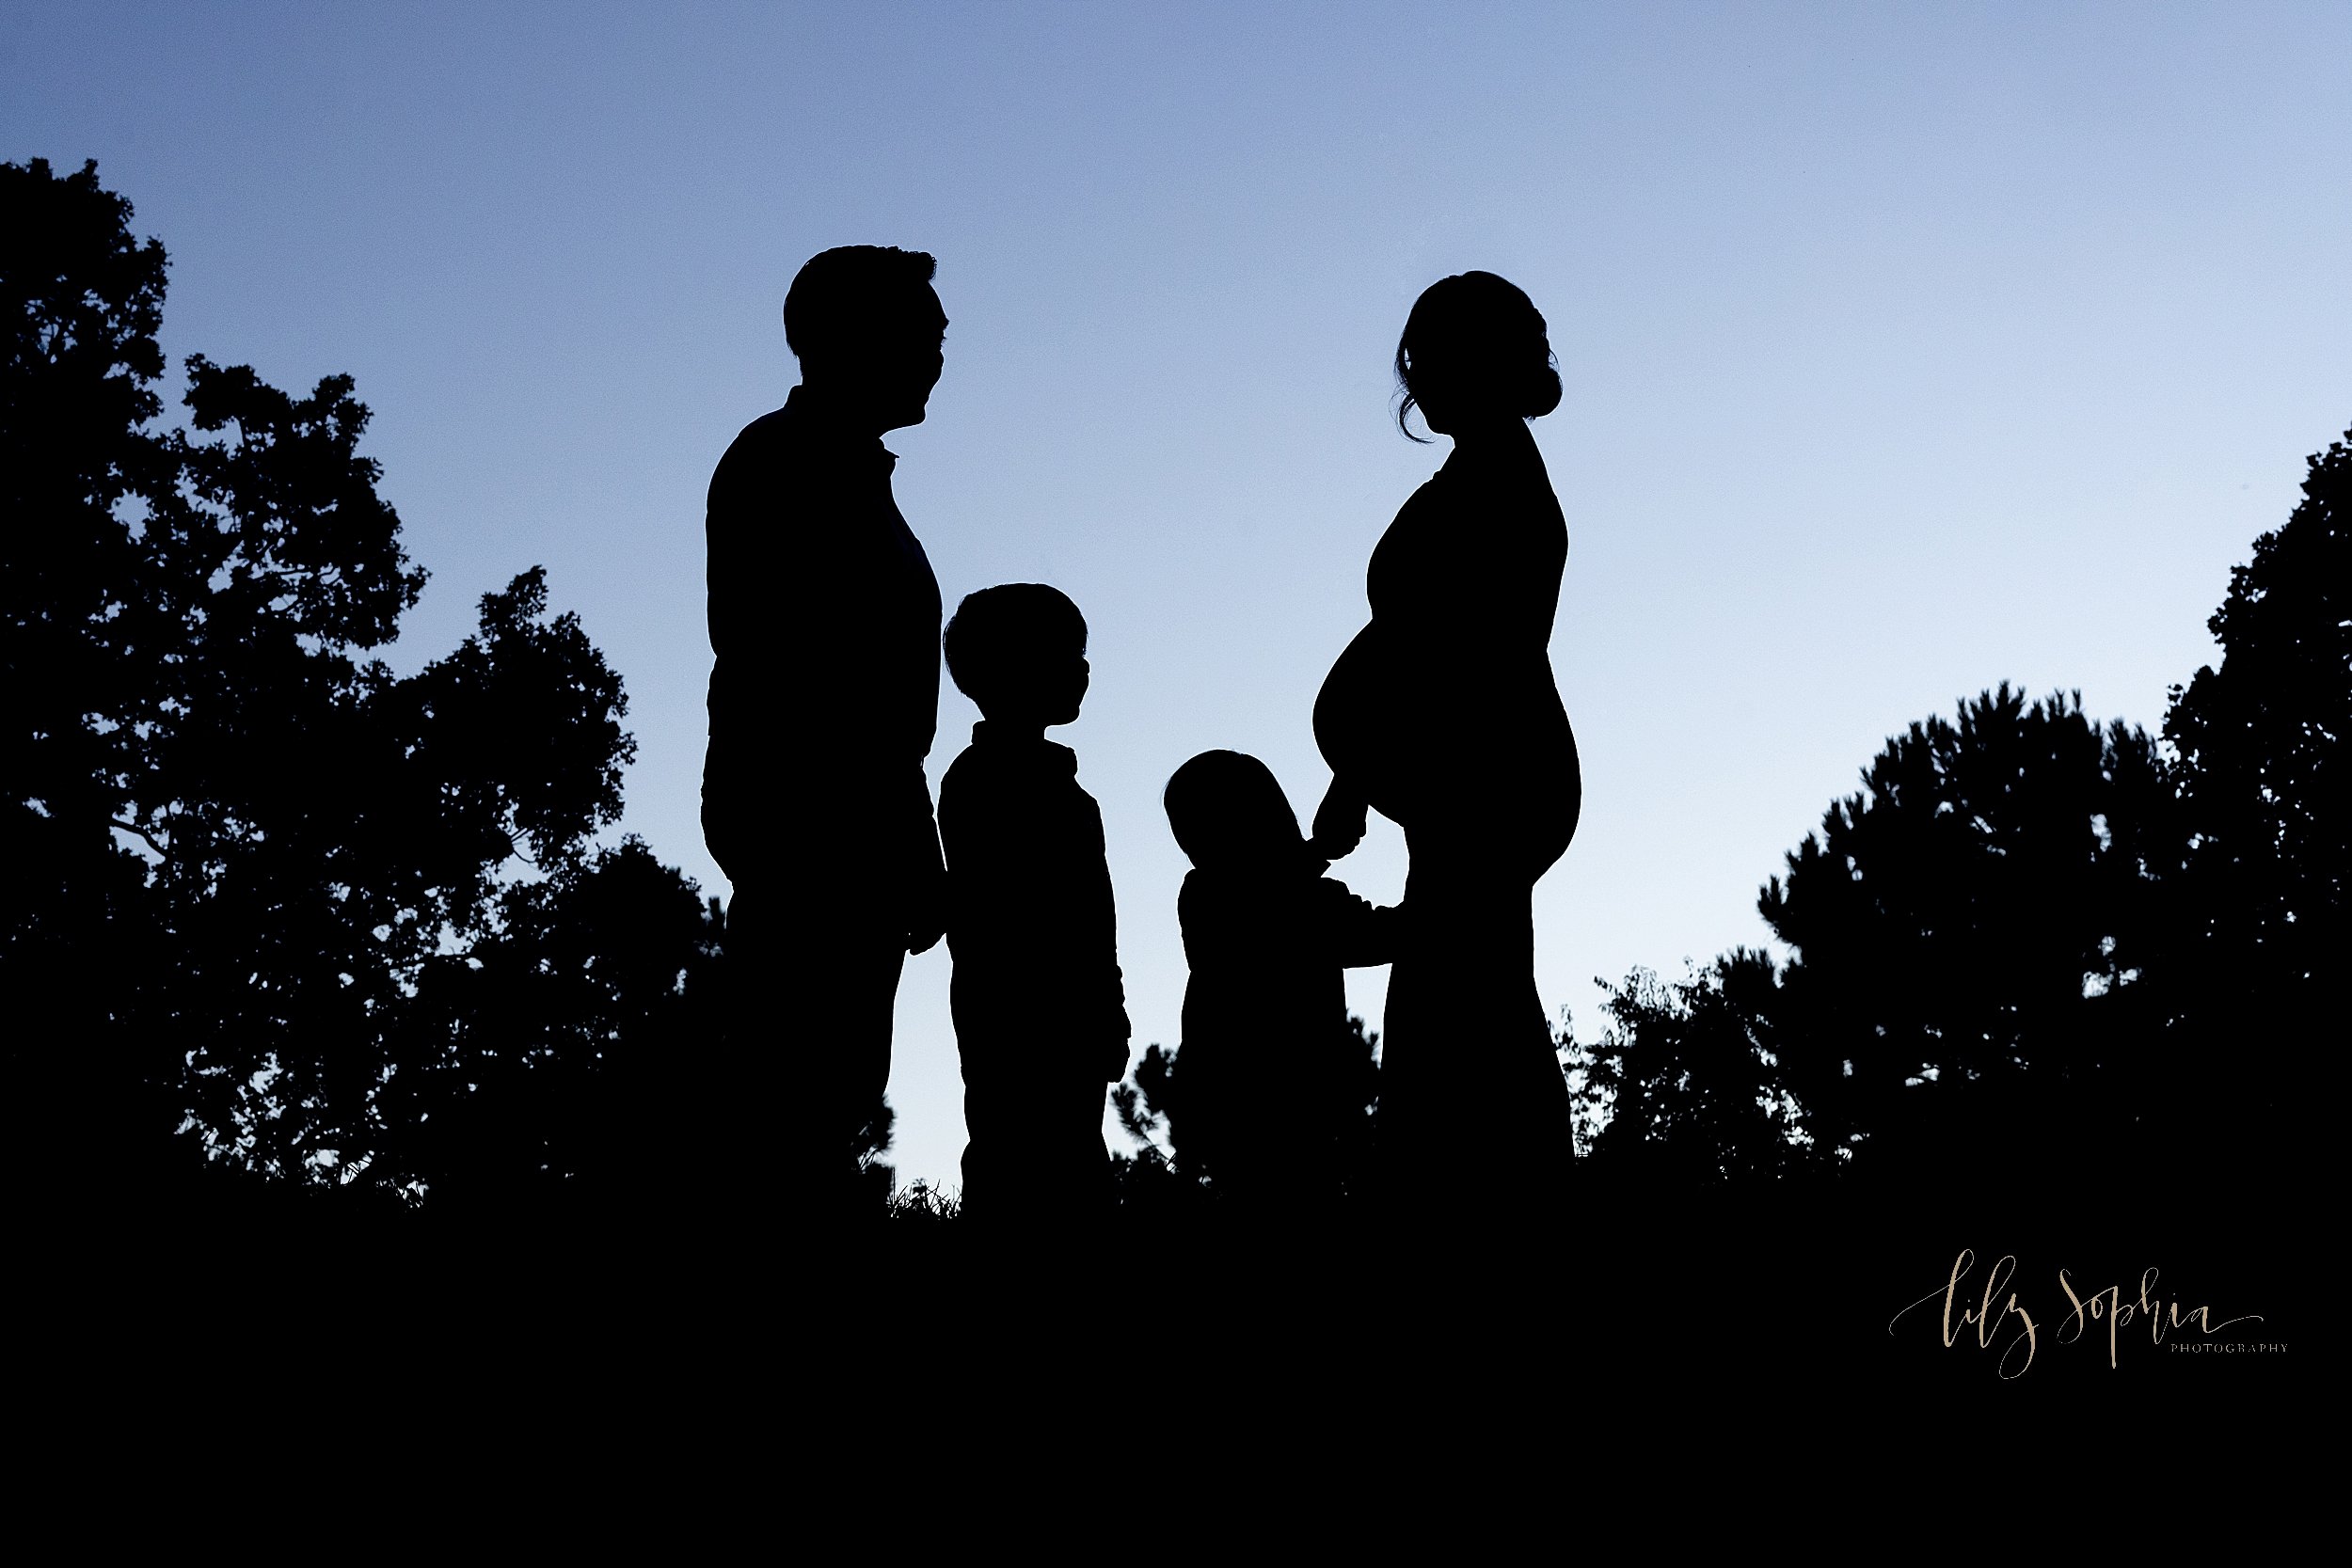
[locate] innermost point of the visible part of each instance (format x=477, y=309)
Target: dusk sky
x=1908, y=349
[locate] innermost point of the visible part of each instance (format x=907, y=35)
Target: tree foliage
x=318, y=917
x=1980, y=916
x=1970, y=938
x=1685, y=1084
x=2031, y=933
x=1175, y=1159
x=2260, y=745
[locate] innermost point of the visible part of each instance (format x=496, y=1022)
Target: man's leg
x=812, y=999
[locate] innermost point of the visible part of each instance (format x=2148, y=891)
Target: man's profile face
x=925, y=355
x=901, y=362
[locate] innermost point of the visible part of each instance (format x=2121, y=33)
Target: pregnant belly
x=1358, y=707
x=1431, y=746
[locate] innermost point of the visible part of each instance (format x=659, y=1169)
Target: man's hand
x=1340, y=823
x=927, y=913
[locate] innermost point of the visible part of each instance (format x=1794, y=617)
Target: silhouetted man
x=824, y=617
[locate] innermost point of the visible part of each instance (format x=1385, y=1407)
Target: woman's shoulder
x=1469, y=509
x=1421, y=518
x=1512, y=492
x=1512, y=472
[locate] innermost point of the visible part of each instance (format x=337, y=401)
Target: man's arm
x=925, y=878
x=1117, y=1028
x=726, y=811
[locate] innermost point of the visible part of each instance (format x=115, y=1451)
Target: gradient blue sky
x=1908, y=349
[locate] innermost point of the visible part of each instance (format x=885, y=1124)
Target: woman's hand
x=1339, y=823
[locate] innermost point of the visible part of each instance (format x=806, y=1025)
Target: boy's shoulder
x=1032, y=778
x=1225, y=892
x=1330, y=890
x=1023, y=761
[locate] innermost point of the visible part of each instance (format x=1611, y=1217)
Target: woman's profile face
x=1436, y=400
x=1448, y=400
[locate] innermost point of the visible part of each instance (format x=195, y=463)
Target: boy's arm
x=1000, y=892
x=1356, y=931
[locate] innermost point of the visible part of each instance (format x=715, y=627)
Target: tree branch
x=153, y=843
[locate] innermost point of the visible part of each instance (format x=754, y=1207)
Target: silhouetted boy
x=1040, y=1014
x=1272, y=1077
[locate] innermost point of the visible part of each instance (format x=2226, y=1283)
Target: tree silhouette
x=2260, y=903
x=1971, y=931
x=1684, y=1085
x=562, y=1049
x=82, y=301
x=269, y=892
x=1170, y=1168
x=1973, y=935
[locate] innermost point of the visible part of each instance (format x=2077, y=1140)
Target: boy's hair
x=843, y=296
x=1228, y=805
x=999, y=633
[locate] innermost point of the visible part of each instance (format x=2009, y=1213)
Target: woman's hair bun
x=1543, y=391
x=1479, y=333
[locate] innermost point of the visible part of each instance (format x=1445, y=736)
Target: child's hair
x=999, y=634
x=1227, y=806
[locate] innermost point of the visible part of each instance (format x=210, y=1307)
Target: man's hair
x=1001, y=632
x=842, y=295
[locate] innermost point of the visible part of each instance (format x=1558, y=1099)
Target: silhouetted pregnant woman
x=1442, y=716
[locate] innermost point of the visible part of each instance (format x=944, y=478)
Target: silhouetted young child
x=1271, y=1076
x=1040, y=1014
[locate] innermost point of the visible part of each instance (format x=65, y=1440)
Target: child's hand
x=1340, y=823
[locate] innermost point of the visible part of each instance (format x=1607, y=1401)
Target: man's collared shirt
x=824, y=621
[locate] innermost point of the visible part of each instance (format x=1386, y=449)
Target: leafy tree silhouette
x=556, y=1051
x=267, y=892
x=2033, y=932
x=1972, y=934
x=1683, y=1086
x=2260, y=902
x=1170, y=1171
x=83, y=302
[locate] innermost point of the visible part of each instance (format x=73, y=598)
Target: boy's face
x=1246, y=824
x=1062, y=688
x=1263, y=829
x=1046, y=690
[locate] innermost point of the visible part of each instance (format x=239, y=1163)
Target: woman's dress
x=1442, y=713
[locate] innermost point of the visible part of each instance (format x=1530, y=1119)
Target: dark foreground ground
x=1767, y=1316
